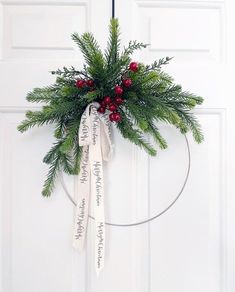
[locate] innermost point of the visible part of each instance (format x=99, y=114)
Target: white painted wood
x=188, y=246
x=36, y=251
x=191, y=248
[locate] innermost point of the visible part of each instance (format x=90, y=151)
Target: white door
x=191, y=246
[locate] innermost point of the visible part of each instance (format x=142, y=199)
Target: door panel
x=187, y=246
x=35, y=238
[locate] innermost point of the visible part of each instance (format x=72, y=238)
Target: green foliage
x=112, y=52
x=152, y=97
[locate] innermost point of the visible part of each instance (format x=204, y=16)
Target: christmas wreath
x=131, y=95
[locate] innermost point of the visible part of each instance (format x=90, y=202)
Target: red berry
x=101, y=110
x=127, y=82
x=102, y=103
x=111, y=117
x=112, y=107
x=118, y=100
x=80, y=83
x=117, y=117
x=90, y=83
x=118, y=90
x=133, y=66
x=107, y=100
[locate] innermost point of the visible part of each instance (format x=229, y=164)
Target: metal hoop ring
x=151, y=218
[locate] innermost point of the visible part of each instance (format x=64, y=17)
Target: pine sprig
x=113, y=46
x=152, y=97
x=134, y=135
x=49, y=183
x=92, y=54
x=45, y=94
x=53, y=158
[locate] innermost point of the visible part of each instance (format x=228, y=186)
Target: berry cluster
x=113, y=103
x=83, y=83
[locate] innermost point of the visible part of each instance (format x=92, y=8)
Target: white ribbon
x=95, y=137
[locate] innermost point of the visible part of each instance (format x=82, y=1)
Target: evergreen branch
x=127, y=130
x=92, y=53
x=51, y=177
x=158, y=64
x=154, y=131
x=53, y=157
x=36, y=118
x=83, y=47
x=69, y=72
x=59, y=130
x=48, y=115
x=52, y=154
x=77, y=154
x=133, y=46
x=190, y=122
x=45, y=94
x=112, y=51
x=58, y=159
x=67, y=164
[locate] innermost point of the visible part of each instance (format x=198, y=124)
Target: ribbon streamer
x=95, y=137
